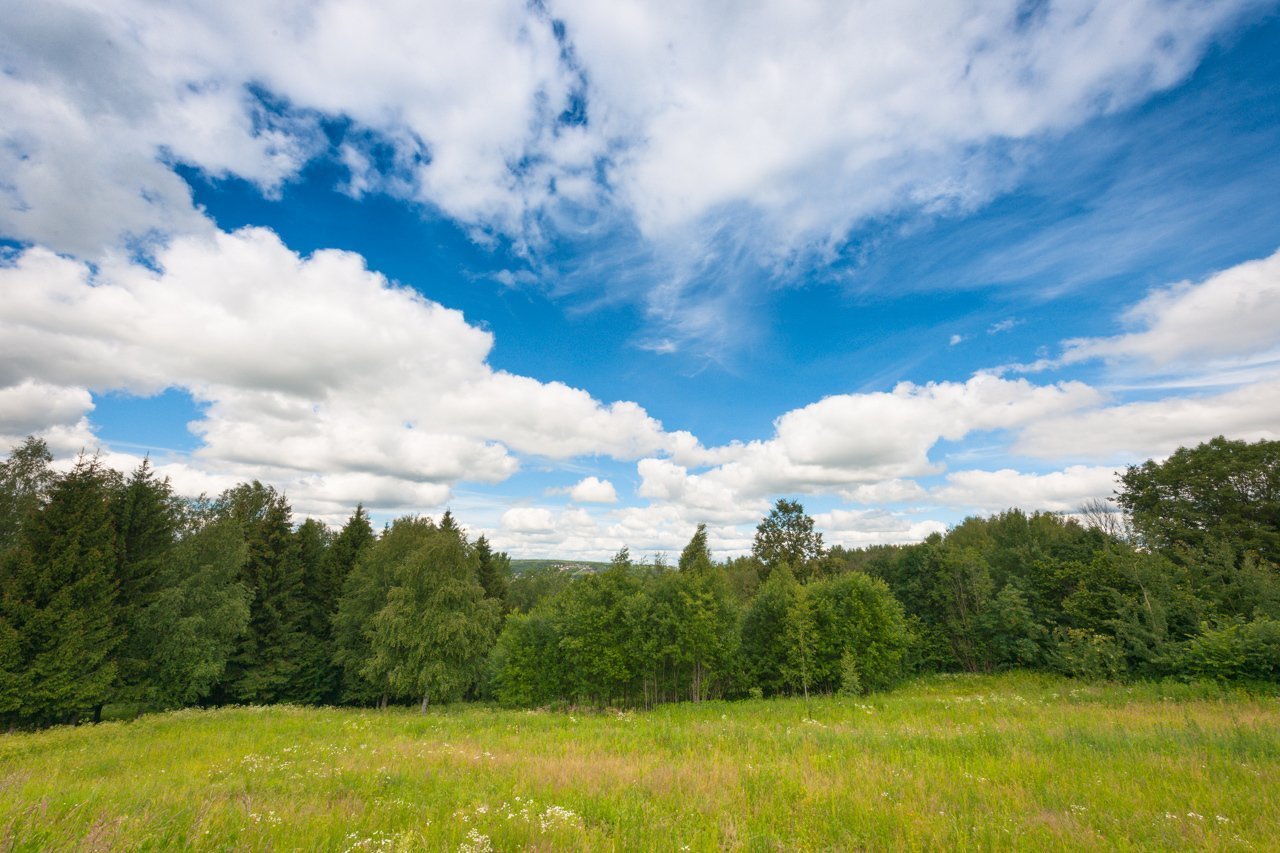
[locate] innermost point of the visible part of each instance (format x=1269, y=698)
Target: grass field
x=1016, y=761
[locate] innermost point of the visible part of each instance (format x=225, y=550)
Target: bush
x=1234, y=651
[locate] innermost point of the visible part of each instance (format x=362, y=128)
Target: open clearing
x=988, y=762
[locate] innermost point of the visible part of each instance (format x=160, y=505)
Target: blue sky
x=591, y=276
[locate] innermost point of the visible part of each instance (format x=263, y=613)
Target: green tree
x=315, y=679
x=25, y=480
x=1219, y=490
x=786, y=535
x=437, y=627
x=364, y=595
x=765, y=647
x=58, y=607
x=147, y=516
x=494, y=571
x=266, y=665
x=189, y=629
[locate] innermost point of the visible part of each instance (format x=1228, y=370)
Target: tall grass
x=1015, y=761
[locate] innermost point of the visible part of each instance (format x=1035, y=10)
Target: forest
x=118, y=596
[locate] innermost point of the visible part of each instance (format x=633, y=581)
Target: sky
x=590, y=274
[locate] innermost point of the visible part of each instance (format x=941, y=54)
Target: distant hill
x=567, y=566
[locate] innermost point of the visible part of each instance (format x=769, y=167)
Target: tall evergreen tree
x=58, y=604
x=146, y=526
x=494, y=571
x=314, y=677
x=322, y=677
x=265, y=666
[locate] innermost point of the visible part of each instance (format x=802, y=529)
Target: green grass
x=1017, y=761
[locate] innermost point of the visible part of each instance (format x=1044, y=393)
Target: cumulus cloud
x=303, y=364
x=1137, y=430
x=1056, y=491
x=1229, y=319
x=862, y=528
x=594, y=490
x=874, y=440
x=498, y=111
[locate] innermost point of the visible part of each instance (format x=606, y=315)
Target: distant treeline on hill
x=116, y=594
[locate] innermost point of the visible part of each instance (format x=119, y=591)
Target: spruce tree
x=146, y=526
x=61, y=624
x=493, y=572
x=265, y=666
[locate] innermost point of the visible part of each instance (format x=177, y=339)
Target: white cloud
x=824, y=113
x=1228, y=320
x=1056, y=491
x=848, y=440
x=30, y=406
x=1135, y=431
x=304, y=365
x=813, y=117
x=594, y=490
x=861, y=528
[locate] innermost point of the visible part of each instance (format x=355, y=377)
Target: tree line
x=117, y=593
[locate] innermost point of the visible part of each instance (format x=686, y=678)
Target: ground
x=1014, y=761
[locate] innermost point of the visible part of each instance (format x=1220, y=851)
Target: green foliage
x=765, y=647
x=364, y=595
x=266, y=666
x=525, y=668
x=1083, y=653
x=432, y=635
x=188, y=631
x=25, y=480
x=1234, y=651
x=1220, y=490
x=146, y=522
x=493, y=572
x=786, y=536
x=59, y=622
x=858, y=623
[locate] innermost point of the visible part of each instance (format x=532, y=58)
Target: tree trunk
x=382, y=703
x=425, y=697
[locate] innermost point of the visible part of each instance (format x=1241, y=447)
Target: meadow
x=990, y=762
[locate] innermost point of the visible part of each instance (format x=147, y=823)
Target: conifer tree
x=146, y=526
x=493, y=571
x=326, y=575
x=265, y=666
x=58, y=603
